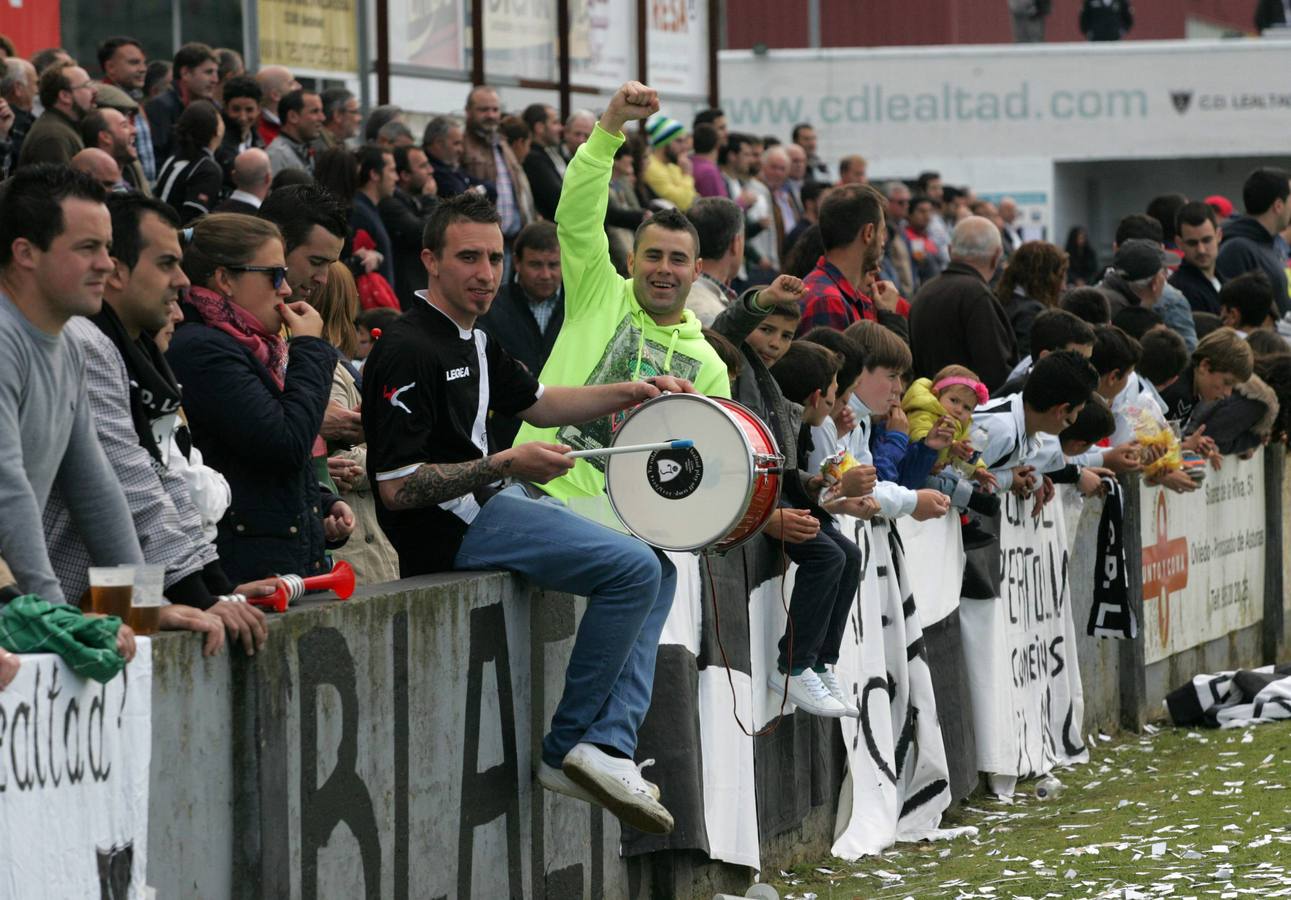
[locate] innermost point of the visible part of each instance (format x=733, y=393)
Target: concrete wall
x=376, y=748
x=383, y=747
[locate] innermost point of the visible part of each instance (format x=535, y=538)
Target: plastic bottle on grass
x=1048, y=788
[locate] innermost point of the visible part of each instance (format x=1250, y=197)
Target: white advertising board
x=1203, y=558
x=1063, y=101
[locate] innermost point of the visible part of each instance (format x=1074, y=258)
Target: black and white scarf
x=1111, y=615
x=154, y=392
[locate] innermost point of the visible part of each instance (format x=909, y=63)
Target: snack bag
x=1155, y=436
x=832, y=468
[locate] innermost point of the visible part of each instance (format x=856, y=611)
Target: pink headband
x=983, y=395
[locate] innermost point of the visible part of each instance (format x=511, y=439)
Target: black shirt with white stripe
x=427, y=388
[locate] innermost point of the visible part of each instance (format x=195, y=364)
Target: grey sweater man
x=47, y=437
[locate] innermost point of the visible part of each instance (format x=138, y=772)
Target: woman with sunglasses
x=255, y=401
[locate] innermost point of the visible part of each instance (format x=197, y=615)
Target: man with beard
x=955, y=318
x=443, y=142
x=135, y=400
x=67, y=94
x=111, y=131
x=488, y=158
x=125, y=66
x=669, y=174
x=620, y=328
x=853, y=231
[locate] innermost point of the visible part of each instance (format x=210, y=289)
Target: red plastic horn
x=292, y=587
x=376, y=334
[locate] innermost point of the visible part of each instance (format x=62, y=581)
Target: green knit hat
x=663, y=130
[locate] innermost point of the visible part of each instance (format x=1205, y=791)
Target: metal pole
x=251, y=34
x=715, y=22
x=176, y=27
x=477, y=41
x=383, y=52
x=365, y=54
x=643, y=25
x=562, y=56
x=813, y=24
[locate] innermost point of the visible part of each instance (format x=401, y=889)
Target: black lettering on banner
x=324, y=658
x=23, y=778
x=35, y=731
x=100, y=767
x=51, y=694
x=871, y=743
x=495, y=791
x=72, y=739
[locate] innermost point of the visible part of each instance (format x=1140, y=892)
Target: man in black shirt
x=428, y=386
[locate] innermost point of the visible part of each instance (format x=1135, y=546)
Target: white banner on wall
x=677, y=47
x=1203, y=558
x=429, y=33
x=1028, y=704
x=898, y=783
x=1063, y=101
x=74, y=759
x=602, y=43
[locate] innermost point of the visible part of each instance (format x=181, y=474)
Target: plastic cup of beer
x=145, y=605
x=111, y=590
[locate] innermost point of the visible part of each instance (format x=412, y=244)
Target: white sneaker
x=829, y=678
x=617, y=785
x=809, y=694
x=557, y=781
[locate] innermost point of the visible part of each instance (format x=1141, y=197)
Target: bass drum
x=715, y=495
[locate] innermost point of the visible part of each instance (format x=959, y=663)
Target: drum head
x=681, y=499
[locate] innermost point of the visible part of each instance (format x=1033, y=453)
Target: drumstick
x=631, y=448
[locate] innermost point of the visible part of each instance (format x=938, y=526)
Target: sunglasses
x=277, y=274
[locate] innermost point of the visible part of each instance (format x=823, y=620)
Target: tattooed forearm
x=433, y=484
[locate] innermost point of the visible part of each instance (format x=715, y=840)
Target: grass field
x=1173, y=814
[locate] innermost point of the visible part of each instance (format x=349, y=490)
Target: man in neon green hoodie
x=620, y=329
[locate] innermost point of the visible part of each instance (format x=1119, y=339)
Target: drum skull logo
x=675, y=474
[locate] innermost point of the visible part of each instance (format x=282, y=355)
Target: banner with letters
x=1028, y=705
x=74, y=760
x=897, y=785
x=1203, y=558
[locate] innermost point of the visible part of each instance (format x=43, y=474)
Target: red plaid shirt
x=831, y=300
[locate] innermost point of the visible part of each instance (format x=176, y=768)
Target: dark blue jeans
x=829, y=573
x=629, y=588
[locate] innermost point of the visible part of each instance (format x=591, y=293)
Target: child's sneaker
x=808, y=693
x=829, y=678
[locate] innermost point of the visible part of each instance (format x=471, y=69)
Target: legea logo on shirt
x=454, y=374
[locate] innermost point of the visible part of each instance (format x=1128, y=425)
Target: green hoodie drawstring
x=638, y=319
x=672, y=345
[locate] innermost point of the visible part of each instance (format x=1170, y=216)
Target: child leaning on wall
x=944, y=403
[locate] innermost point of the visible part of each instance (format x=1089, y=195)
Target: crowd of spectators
x=225, y=297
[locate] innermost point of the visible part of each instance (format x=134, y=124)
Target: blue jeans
x=824, y=588
x=629, y=588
